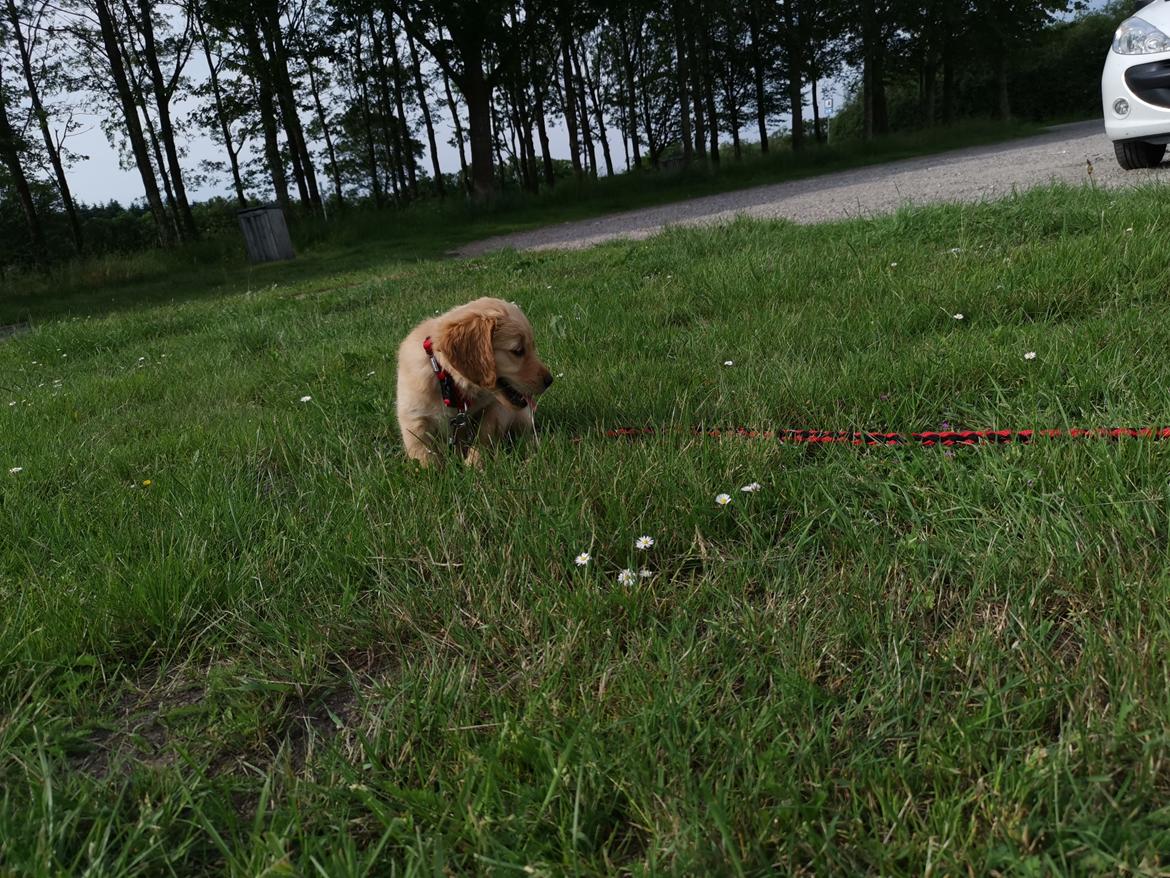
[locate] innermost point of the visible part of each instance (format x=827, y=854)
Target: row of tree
x=320, y=103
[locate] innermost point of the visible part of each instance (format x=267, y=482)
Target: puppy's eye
x=519, y=352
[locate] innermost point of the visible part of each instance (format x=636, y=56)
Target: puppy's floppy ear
x=466, y=344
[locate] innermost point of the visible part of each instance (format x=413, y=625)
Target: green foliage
x=243, y=636
x=1055, y=74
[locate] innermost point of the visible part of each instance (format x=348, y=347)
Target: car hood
x=1157, y=14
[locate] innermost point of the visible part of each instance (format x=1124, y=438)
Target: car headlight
x=1138, y=37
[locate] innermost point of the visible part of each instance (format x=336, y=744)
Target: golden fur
x=484, y=345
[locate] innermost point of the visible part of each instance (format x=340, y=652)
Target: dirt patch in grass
x=170, y=717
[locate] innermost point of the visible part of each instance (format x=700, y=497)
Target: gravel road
x=1062, y=153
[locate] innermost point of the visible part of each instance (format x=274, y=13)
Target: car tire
x=1133, y=155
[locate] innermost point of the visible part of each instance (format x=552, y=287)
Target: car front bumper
x=1143, y=81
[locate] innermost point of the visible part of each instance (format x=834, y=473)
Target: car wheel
x=1135, y=154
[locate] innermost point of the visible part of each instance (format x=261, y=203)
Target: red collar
x=452, y=398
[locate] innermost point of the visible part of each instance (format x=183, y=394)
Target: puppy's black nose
x=548, y=380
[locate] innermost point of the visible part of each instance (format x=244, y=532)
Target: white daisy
x=306, y=399
x=957, y=316
x=582, y=559
x=643, y=543
x=627, y=577
x=1031, y=355
x=729, y=362
x=752, y=488
x=723, y=499
x=645, y=572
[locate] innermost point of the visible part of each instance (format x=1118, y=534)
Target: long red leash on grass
x=928, y=438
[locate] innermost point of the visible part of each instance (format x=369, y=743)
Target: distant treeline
x=320, y=104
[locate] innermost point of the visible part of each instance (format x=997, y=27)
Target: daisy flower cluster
x=628, y=576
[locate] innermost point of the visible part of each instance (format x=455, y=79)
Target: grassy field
x=241, y=635
x=365, y=239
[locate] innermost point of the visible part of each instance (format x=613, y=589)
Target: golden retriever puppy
x=468, y=378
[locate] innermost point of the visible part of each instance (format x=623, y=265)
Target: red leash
x=929, y=438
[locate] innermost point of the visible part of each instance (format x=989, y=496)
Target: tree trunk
x=876, y=120
x=1003, y=104
x=524, y=117
x=881, y=116
x=426, y=113
x=591, y=84
x=624, y=127
x=816, y=108
x=160, y=164
x=403, y=127
x=43, y=120
x=583, y=113
x=709, y=96
x=133, y=125
x=220, y=115
x=276, y=169
x=10, y=155
x=758, y=74
x=550, y=176
x=458, y=125
x=386, y=114
x=731, y=99
x=478, y=94
x=371, y=153
x=632, y=106
x=294, y=158
x=948, y=87
x=184, y=217
x=569, y=103
x=323, y=119
x=515, y=152
x=288, y=108
x=930, y=92
x=682, y=74
x=795, y=76
x=696, y=68
x=647, y=119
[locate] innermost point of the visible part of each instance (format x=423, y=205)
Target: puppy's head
x=489, y=343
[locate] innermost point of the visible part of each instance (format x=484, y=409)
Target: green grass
x=294, y=653
x=364, y=239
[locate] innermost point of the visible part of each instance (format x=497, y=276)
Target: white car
x=1135, y=87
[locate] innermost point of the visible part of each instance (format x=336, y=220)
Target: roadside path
x=1061, y=154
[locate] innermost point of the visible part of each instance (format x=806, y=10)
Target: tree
x=1005, y=27
x=110, y=31
x=24, y=53
x=220, y=104
x=163, y=88
x=473, y=42
x=10, y=149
